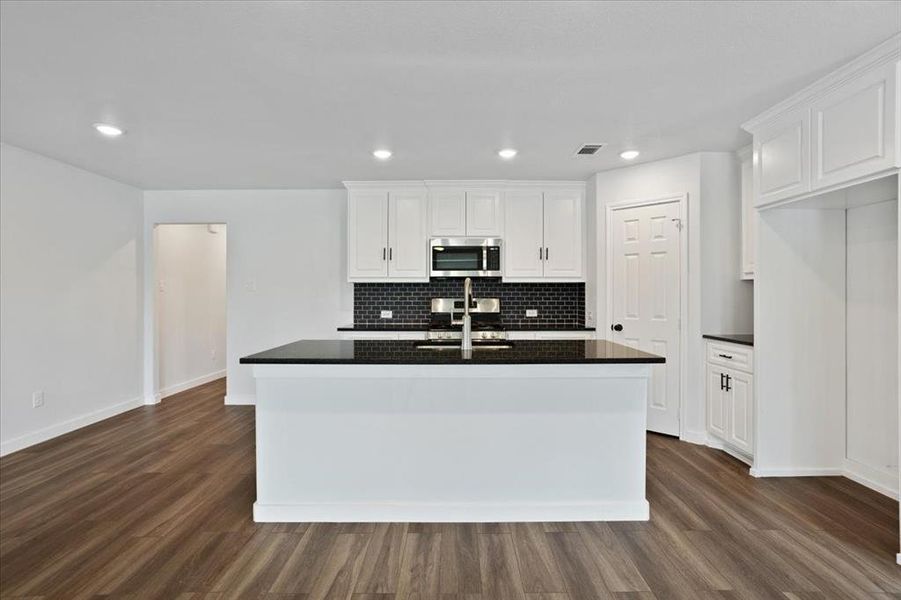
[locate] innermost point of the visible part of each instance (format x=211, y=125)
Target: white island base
x=450, y=443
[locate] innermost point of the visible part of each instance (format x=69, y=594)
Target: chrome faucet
x=467, y=320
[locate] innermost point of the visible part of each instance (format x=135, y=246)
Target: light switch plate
x=387, y=314
x=531, y=312
x=37, y=399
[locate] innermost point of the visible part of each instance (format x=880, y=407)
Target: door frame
x=682, y=200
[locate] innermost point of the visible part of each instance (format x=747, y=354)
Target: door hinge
x=678, y=223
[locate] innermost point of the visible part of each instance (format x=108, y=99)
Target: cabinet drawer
x=731, y=355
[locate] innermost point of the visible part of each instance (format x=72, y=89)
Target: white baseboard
x=48, y=433
x=376, y=512
x=879, y=481
x=898, y=558
x=191, y=383
x=151, y=399
x=694, y=437
x=799, y=472
x=240, y=399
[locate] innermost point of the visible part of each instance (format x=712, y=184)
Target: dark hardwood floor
x=156, y=503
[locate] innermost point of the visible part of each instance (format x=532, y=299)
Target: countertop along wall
x=717, y=299
x=70, y=302
x=286, y=270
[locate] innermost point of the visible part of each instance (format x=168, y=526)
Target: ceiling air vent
x=589, y=149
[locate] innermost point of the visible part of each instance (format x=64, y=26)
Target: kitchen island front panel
x=452, y=442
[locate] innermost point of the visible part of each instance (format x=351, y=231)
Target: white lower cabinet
x=730, y=397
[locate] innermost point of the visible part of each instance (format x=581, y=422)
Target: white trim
x=885, y=52
x=898, y=558
x=48, y=433
x=151, y=399
x=682, y=199
x=785, y=202
x=240, y=399
x=381, y=512
x=695, y=437
x=885, y=483
x=186, y=385
x=798, y=472
x=718, y=444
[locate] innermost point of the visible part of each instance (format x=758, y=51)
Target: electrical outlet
x=531, y=312
x=251, y=285
x=387, y=314
x=213, y=354
x=37, y=399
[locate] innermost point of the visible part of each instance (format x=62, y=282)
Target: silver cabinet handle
x=390, y=253
x=539, y=253
x=384, y=253
x=547, y=253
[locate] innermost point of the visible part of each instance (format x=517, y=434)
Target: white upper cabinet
x=387, y=233
x=458, y=211
x=407, y=235
x=837, y=132
x=540, y=224
x=447, y=212
x=781, y=160
x=563, y=234
x=484, y=213
x=367, y=234
x=524, y=239
x=853, y=128
x=544, y=237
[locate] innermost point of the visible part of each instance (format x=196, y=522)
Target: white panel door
x=408, y=235
x=740, y=411
x=646, y=303
x=563, y=234
x=367, y=235
x=447, y=213
x=524, y=235
x=853, y=128
x=782, y=159
x=717, y=408
x=484, y=213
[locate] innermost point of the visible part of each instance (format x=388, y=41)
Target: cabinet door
x=717, y=407
x=447, y=213
x=853, y=128
x=367, y=235
x=740, y=399
x=408, y=235
x=748, y=219
x=484, y=213
x=782, y=159
x=563, y=234
x=524, y=235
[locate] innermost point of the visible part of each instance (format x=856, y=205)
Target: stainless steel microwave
x=465, y=257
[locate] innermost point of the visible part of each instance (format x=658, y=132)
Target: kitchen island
x=389, y=430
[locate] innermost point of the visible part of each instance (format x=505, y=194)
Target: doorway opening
x=190, y=305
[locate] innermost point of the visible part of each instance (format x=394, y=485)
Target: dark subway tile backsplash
x=559, y=305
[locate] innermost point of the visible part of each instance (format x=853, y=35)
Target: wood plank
x=537, y=564
x=580, y=574
x=381, y=563
x=420, y=568
x=501, y=579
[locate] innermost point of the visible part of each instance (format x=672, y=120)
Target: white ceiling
x=297, y=95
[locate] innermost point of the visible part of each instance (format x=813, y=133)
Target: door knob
x=616, y=327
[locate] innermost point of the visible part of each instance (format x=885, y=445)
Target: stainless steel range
x=446, y=322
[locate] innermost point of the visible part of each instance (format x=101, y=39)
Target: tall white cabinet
x=475, y=209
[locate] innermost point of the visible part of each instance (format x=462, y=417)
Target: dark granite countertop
x=406, y=352
x=746, y=339
x=421, y=327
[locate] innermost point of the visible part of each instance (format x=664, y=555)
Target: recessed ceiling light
x=628, y=154
x=382, y=154
x=507, y=153
x=108, y=130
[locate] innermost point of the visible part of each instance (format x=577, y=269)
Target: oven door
x=464, y=257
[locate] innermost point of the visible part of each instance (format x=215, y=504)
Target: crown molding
x=463, y=183
x=885, y=52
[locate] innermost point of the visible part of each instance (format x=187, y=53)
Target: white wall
x=190, y=293
x=717, y=301
x=872, y=338
x=286, y=269
x=70, y=301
